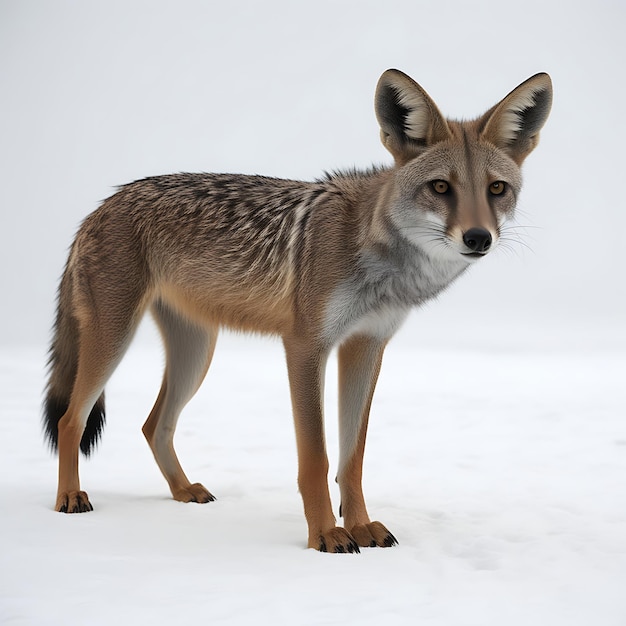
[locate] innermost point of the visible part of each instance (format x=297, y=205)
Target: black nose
x=477, y=239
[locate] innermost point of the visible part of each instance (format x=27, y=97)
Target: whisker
x=514, y=244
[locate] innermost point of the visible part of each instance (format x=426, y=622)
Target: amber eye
x=440, y=186
x=497, y=188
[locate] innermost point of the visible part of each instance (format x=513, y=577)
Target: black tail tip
x=55, y=409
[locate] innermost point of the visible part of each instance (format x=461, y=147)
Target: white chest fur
x=349, y=314
x=377, y=299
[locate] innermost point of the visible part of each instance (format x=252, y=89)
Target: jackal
x=334, y=263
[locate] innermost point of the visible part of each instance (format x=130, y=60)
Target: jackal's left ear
x=409, y=120
x=514, y=123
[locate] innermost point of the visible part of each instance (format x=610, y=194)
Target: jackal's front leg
x=306, y=365
x=360, y=359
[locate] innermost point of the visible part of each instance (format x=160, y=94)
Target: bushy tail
x=62, y=364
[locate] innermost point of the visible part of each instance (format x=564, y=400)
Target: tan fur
x=337, y=262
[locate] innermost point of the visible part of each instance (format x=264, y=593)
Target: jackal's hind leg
x=360, y=359
x=99, y=353
x=189, y=349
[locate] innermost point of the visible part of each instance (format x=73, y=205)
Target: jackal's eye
x=440, y=186
x=497, y=188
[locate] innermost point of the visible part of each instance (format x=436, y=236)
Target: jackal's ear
x=409, y=120
x=514, y=123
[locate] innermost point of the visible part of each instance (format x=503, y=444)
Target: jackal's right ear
x=409, y=120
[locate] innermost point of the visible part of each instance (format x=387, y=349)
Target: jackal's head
x=457, y=182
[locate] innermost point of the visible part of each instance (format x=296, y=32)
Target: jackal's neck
x=390, y=274
x=366, y=193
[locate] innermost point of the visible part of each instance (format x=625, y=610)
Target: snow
x=497, y=446
x=502, y=474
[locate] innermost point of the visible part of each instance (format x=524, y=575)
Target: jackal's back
x=236, y=248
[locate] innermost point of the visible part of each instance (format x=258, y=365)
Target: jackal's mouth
x=474, y=255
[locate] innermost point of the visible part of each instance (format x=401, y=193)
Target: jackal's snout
x=478, y=241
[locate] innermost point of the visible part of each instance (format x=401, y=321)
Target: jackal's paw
x=372, y=535
x=73, y=502
x=194, y=493
x=336, y=540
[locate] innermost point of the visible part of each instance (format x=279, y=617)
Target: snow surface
x=502, y=474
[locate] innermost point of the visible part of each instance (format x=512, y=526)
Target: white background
x=96, y=94
x=497, y=448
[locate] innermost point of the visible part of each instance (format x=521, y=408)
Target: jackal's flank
x=337, y=262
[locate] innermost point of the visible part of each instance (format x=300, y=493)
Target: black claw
x=81, y=507
x=340, y=549
x=323, y=545
x=390, y=541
